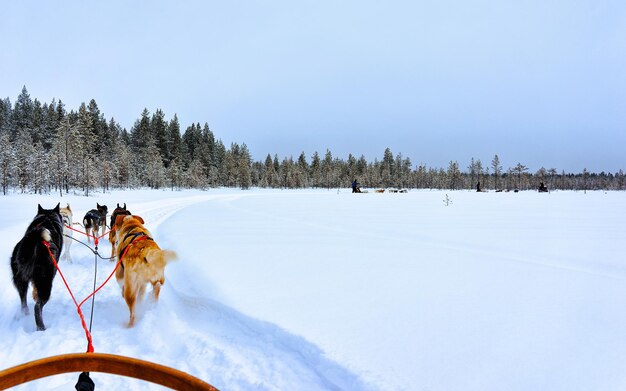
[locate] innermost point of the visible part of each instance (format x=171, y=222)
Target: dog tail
x=45, y=235
x=161, y=256
x=169, y=256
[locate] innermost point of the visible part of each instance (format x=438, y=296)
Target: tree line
x=47, y=149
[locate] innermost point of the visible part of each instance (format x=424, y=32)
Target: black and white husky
x=31, y=263
x=94, y=220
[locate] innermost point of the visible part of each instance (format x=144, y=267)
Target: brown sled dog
x=142, y=261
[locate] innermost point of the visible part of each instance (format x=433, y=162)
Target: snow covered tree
x=328, y=172
x=303, y=171
x=24, y=151
x=7, y=158
x=23, y=112
x=140, y=133
x=58, y=164
x=174, y=174
x=316, y=170
x=192, y=139
x=195, y=175
x=454, y=175
x=244, y=160
x=174, y=149
x=387, y=168
x=98, y=127
x=269, y=178
x=123, y=161
x=497, y=170
x=39, y=170
x=158, y=129
x=519, y=169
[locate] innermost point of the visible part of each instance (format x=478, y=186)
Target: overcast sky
x=538, y=82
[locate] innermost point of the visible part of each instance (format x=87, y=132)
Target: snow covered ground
x=328, y=290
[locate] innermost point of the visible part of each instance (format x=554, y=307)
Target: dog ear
x=124, y=205
x=140, y=219
x=57, y=208
x=39, y=209
x=118, y=204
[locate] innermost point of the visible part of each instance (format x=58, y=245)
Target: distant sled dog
x=31, y=263
x=118, y=211
x=68, y=220
x=94, y=220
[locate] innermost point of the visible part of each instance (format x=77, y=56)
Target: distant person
x=542, y=188
x=355, y=187
x=478, y=189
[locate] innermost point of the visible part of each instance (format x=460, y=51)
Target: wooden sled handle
x=100, y=362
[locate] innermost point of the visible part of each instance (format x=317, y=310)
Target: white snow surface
x=328, y=290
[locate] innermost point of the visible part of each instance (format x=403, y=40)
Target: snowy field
x=328, y=290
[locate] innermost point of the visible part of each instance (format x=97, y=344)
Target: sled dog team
x=142, y=260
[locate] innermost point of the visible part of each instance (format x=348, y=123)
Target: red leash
x=95, y=239
x=80, y=312
x=90, y=348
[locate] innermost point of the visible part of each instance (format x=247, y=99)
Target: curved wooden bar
x=100, y=362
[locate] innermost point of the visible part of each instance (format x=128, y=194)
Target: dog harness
x=134, y=236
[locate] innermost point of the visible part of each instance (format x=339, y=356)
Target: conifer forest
x=48, y=148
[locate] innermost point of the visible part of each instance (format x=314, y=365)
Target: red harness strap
x=95, y=239
x=80, y=312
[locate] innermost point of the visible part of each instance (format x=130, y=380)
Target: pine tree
x=49, y=125
x=98, y=127
x=303, y=170
x=497, y=170
x=6, y=117
x=174, y=144
x=195, y=175
x=158, y=128
x=7, y=157
x=454, y=175
x=39, y=169
x=520, y=169
x=387, y=168
x=351, y=167
x=269, y=175
x=140, y=134
x=230, y=166
x=327, y=170
x=124, y=163
x=111, y=134
x=58, y=163
x=24, y=151
x=316, y=170
x=244, y=162
x=36, y=131
x=87, y=148
x=174, y=174
x=23, y=112
x=60, y=111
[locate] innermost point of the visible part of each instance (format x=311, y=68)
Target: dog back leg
x=21, y=284
x=22, y=290
x=130, y=295
x=41, y=295
x=68, y=239
x=87, y=225
x=156, y=289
